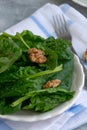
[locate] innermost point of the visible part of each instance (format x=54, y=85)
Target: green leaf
x=5, y=107
x=9, y=53
x=45, y=99
x=46, y=72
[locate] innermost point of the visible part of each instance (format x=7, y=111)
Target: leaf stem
x=22, y=40
x=17, y=36
x=58, y=68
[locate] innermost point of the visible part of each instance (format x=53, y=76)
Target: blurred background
x=13, y=11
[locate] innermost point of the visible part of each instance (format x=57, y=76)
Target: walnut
x=37, y=56
x=52, y=83
x=85, y=55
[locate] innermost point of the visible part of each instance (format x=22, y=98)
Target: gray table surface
x=13, y=11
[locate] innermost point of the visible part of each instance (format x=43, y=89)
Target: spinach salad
x=22, y=79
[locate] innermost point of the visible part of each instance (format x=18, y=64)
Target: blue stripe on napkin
x=76, y=109
x=4, y=126
x=65, y=8
x=70, y=22
x=40, y=25
x=84, y=62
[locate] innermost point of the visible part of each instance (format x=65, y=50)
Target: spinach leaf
x=5, y=107
x=24, y=73
x=44, y=100
x=9, y=53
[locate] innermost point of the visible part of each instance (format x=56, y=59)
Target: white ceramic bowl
x=81, y=2
x=77, y=85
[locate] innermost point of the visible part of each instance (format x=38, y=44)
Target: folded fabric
x=41, y=23
x=77, y=25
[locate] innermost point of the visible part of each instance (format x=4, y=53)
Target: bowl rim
x=80, y=3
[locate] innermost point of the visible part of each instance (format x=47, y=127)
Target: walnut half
x=85, y=55
x=37, y=56
x=52, y=83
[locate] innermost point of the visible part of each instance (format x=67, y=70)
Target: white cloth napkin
x=41, y=23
